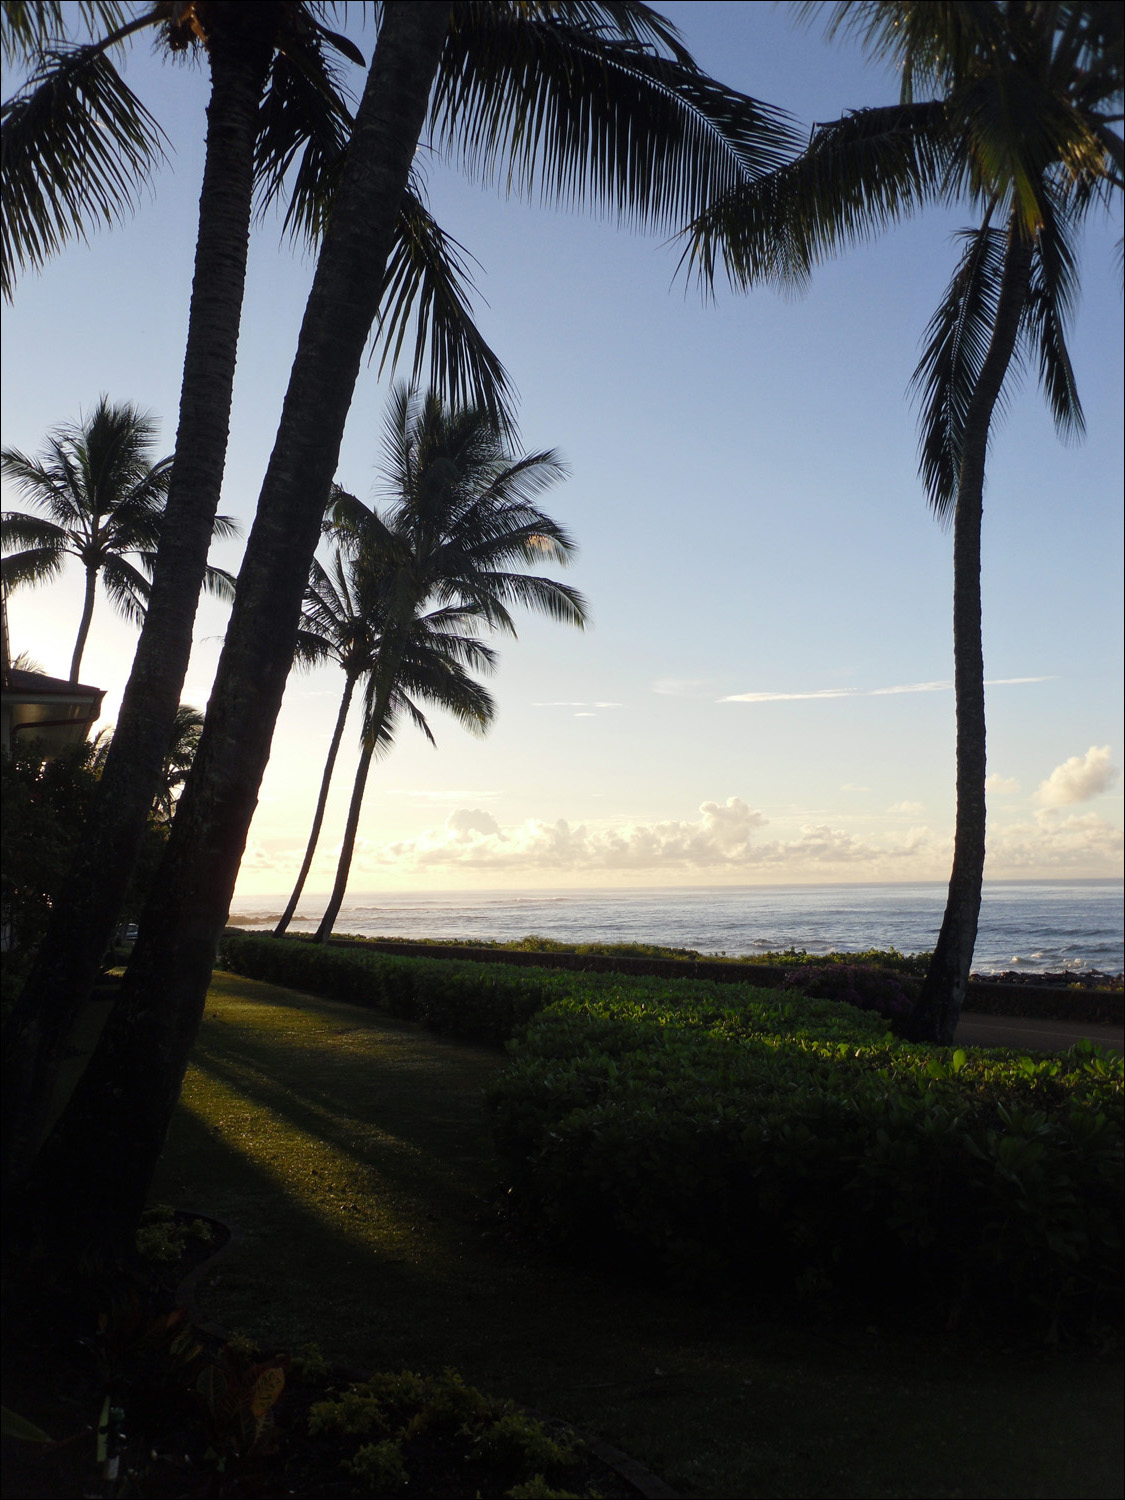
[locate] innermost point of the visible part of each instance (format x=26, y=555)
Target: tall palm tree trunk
x=84, y=622
x=943, y=991
x=84, y=918
x=321, y=804
x=96, y=1167
x=347, y=848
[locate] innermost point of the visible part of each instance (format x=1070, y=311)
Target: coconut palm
x=77, y=146
x=1009, y=107
x=575, y=100
x=104, y=500
x=462, y=515
x=344, y=620
x=340, y=624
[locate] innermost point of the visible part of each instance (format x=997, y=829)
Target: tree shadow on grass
x=390, y=1102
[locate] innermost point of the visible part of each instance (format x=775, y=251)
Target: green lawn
x=350, y=1156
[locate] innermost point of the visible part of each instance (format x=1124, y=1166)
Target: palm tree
x=104, y=500
x=576, y=100
x=182, y=745
x=340, y=624
x=463, y=514
x=1019, y=125
x=77, y=146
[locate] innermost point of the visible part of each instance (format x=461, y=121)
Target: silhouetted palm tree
x=462, y=516
x=104, y=501
x=1011, y=107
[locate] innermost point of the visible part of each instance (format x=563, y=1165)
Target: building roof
x=49, y=710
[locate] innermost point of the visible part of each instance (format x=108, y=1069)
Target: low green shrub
x=419, y=1428
x=715, y=1148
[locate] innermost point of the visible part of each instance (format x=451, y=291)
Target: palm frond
x=51, y=484
x=225, y=529
x=20, y=530
x=77, y=146
x=27, y=29
x=857, y=175
x=554, y=103
x=1051, y=297
x=33, y=566
x=304, y=126
x=126, y=588
x=957, y=341
x=428, y=283
x=219, y=583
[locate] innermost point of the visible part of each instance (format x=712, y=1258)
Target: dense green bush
x=719, y=1150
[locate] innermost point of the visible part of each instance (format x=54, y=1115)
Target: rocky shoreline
x=1088, y=979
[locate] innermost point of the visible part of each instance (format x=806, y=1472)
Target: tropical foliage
x=345, y=621
x=102, y=500
x=449, y=557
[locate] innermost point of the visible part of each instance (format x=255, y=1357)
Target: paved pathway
x=978, y=1030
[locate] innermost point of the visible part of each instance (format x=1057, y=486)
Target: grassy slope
x=350, y=1156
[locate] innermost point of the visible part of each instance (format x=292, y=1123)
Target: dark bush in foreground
x=720, y=1153
x=891, y=995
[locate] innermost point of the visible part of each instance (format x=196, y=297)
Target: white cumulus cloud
x=1079, y=845
x=913, y=808
x=1078, y=779
x=1003, y=786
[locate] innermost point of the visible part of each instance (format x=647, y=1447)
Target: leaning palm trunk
x=321, y=804
x=372, y=731
x=84, y=918
x=84, y=623
x=347, y=848
x=943, y=992
x=97, y=1165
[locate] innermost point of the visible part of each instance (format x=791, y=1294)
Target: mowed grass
x=350, y=1155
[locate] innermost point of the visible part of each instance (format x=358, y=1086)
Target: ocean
x=1032, y=925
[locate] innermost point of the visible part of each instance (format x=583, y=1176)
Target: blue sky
x=755, y=545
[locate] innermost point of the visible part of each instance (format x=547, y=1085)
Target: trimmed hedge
x=714, y=1150
x=492, y=1003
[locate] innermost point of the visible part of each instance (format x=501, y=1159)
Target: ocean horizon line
x=624, y=890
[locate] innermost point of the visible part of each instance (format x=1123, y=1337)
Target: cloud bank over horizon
x=1041, y=835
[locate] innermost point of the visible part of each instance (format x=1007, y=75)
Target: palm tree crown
x=446, y=559
x=103, y=499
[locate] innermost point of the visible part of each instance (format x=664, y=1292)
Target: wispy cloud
x=913, y=808
x=684, y=687
x=441, y=794
x=576, y=703
x=880, y=692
